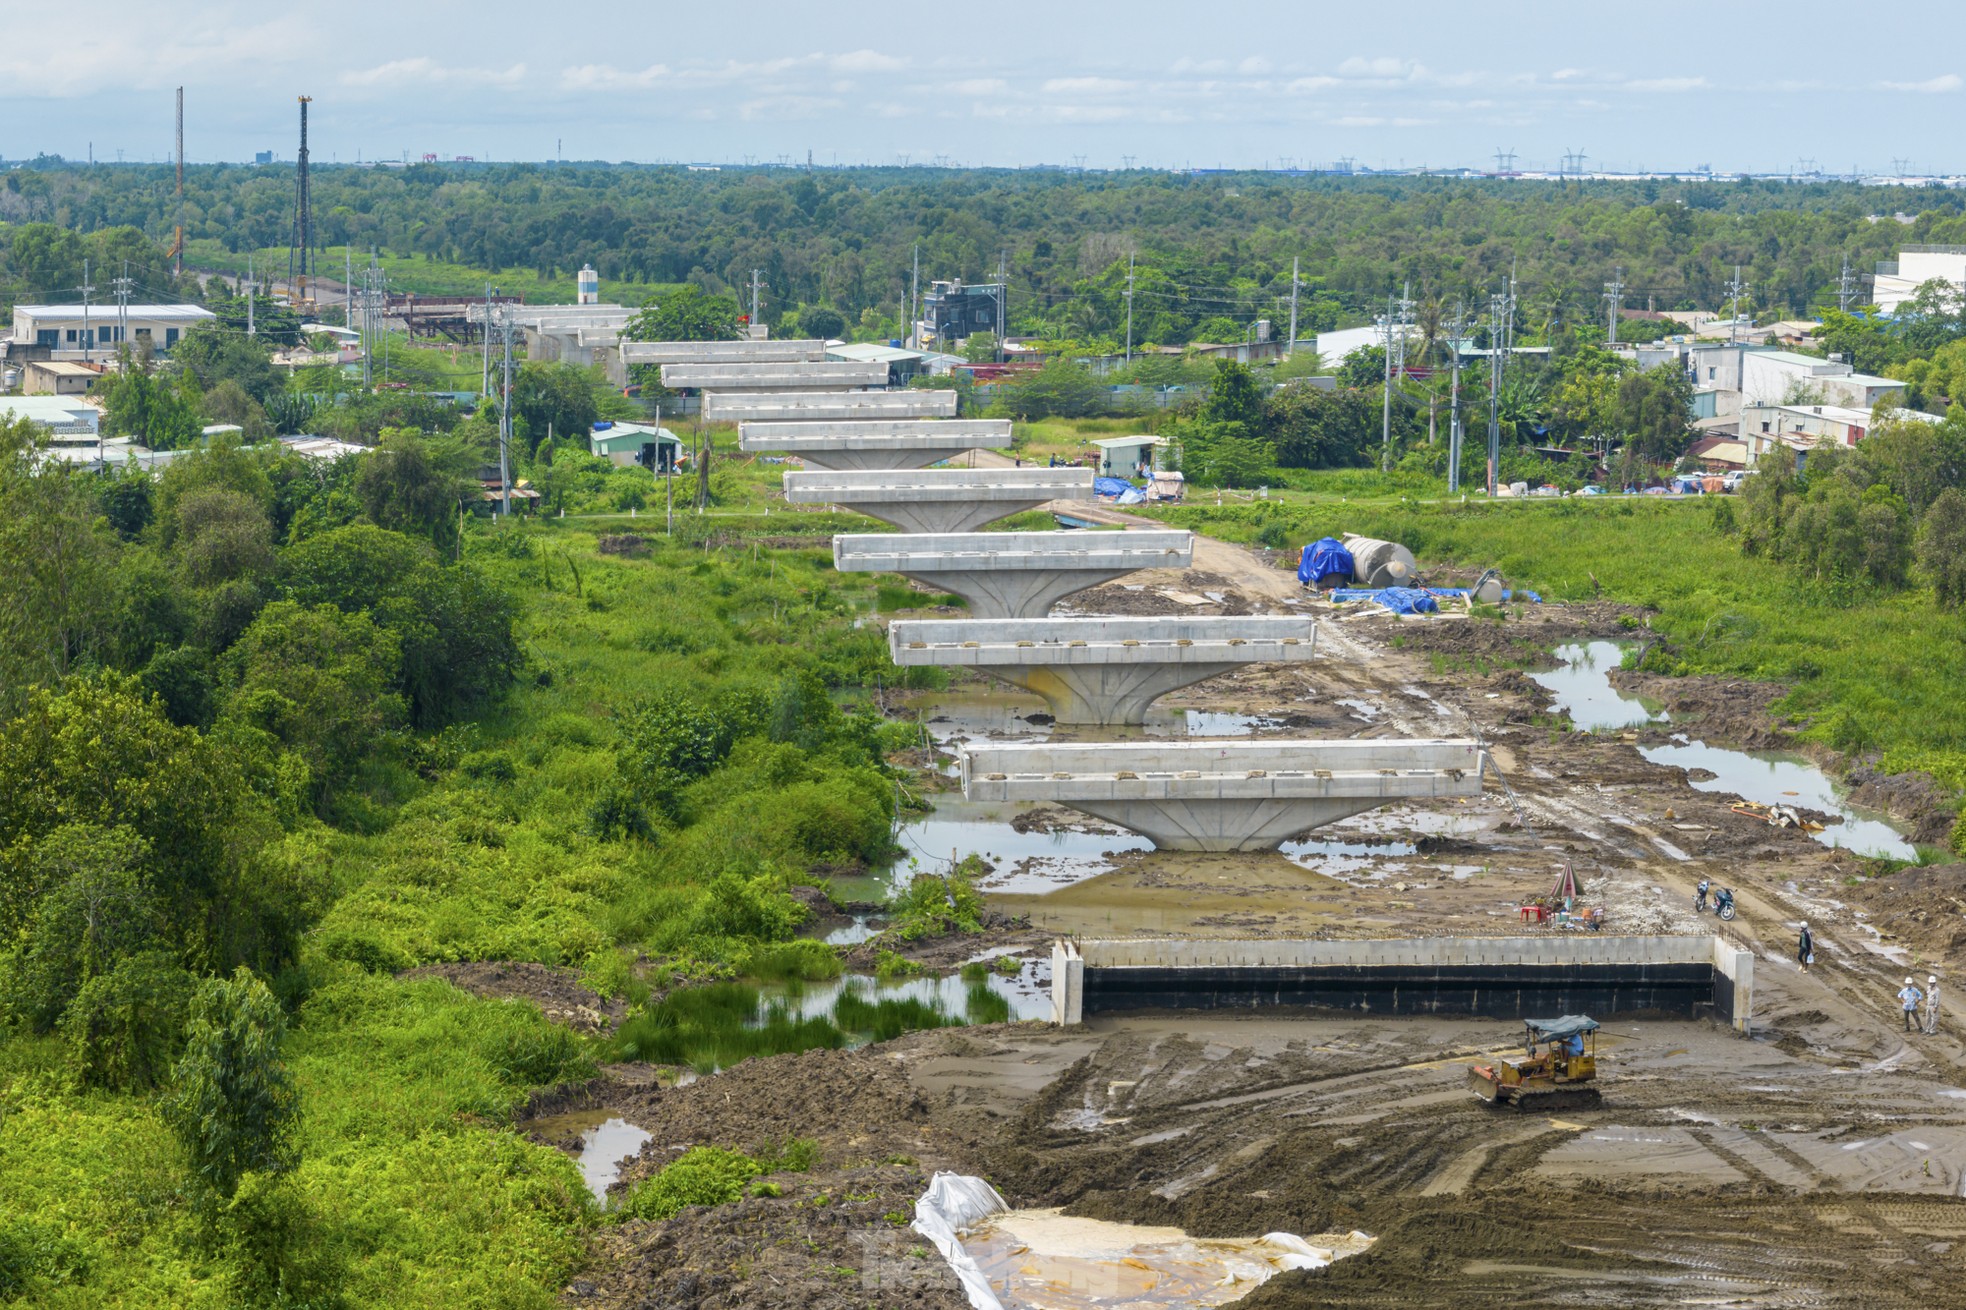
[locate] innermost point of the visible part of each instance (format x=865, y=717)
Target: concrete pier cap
x=1013, y=575
x=1224, y=795
x=939, y=500
x=773, y=375
x=878, y=443
x=1102, y=670
x=808, y=406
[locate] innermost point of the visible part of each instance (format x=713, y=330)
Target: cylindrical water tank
x=588, y=285
x=1381, y=563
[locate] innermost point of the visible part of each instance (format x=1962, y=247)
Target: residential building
x=1802, y=426
x=81, y=329
x=628, y=444
x=1898, y=279
x=902, y=365
x=953, y=311
x=57, y=377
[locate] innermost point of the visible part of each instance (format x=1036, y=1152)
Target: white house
x=85, y=328
x=1898, y=279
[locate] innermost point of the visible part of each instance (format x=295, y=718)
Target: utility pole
x=505, y=416
x=1003, y=299
x=251, y=329
x=1386, y=397
x=87, y=290
x=484, y=382
x=1734, y=290
x=1614, y=291
x=914, y=293
x=123, y=285
x=1129, y=306
x=1292, y=349
x=177, y=246
x=1454, y=409
x=1496, y=307
x=348, y=286
x=754, y=302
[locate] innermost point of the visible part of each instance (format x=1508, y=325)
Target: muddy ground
x=1818, y=1161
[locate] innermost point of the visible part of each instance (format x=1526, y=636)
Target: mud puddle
x=1582, y=689
x=1779, y=778
x=1023, y=862
x=605, y=1140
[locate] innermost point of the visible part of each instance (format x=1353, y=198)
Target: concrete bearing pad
x=875, y=443
x=1224, y=795
x=806, y=406
x=1013, y=575
x=1102, y=671
x=939, y=500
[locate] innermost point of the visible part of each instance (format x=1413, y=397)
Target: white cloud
x=1255, y=65
x=1667, y=85
x=979, y=86
x=425, y=71
x=606, y=77
x=866, y=61
x=1089, y=86
x=1566, y=74
x=1384, y=67
x=1939, y=85
x=1309, y=85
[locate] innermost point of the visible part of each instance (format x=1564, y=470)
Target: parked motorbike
x=1723, y=903
x=1700, y=896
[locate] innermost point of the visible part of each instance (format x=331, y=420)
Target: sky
x=1876, y=88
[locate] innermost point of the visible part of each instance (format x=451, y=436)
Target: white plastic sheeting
x=952, y=1203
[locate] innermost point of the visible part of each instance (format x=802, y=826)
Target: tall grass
x=1878, y=672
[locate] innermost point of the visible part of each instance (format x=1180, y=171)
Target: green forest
x=1212, y=253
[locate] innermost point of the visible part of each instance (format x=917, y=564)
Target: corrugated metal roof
x=108, y=313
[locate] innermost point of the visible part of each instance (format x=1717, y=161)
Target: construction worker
x=1932, y=1003
x=1910, y=996
x=1805, y=948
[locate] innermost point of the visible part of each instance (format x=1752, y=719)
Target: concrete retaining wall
x=1494, y=977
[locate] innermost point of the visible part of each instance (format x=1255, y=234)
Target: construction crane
x=300, y=248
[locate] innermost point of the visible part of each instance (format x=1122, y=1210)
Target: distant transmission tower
x=1846, y=287
x=300, y=248
x=1504, y=162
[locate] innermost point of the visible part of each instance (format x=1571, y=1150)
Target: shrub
x=702, y=1175
x=125, y=1027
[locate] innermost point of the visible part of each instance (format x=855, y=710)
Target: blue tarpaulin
x=1400, y=600
x=1111, y=486
x=1322, y=559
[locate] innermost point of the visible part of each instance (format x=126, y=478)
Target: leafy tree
x=97, y=908
x=1942, y=547
x=127, y=501
x=822, y=321
x=223, y=535
x=1364, y=369
x=980, y=348
x=1061, y=388
x=232, y=1103
x=553, y=397
x=100, y=752
x=214, y=354
x=1234, y=397
x=1314, y=428
x=228, y=403
x=125, y=1027
x=321, y=682
x=412, y=485
x=159, y=413
x=686, y=314
x=55, y=586
x=1654, y=411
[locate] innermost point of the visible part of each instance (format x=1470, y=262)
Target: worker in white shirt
x=1932, y=1003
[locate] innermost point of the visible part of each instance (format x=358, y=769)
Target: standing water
x=1582, y=689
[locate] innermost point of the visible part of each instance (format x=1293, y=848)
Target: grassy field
x=1880, y=673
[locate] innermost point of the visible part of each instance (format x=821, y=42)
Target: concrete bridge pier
x=939, y=500
x=1104, y=671
x=1013, y=575
x=1220, y=795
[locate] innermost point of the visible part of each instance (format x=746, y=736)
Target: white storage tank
x=588, y=284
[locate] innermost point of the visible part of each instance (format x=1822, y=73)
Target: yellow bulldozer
x=1556, y=1072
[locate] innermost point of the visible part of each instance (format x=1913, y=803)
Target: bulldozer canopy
x=1557, y=1029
